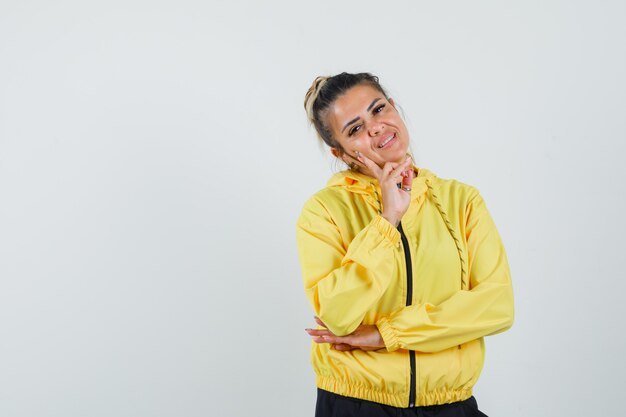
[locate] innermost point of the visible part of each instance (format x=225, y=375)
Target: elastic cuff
x=387, y=229
x=388, y=334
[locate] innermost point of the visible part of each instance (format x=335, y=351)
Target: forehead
x=352, y=103
x=356, y=100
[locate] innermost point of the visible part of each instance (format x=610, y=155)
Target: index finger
x=369, y=164
x=320, y=322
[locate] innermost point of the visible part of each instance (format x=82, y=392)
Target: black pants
x=333, y=405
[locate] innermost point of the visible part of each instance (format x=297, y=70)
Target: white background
x=154, y=156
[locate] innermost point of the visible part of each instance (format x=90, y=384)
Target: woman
x=405, y=271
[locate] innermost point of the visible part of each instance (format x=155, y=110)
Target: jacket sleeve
x=485, y=309
x=343, y=282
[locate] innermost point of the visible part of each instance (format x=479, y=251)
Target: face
x=363, y=120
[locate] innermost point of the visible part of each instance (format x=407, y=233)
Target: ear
x=338, y=153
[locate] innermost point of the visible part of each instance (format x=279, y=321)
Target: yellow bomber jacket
x=434, y=287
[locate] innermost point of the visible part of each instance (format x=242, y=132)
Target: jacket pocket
x=472, y=358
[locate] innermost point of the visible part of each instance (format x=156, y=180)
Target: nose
x=375, y=128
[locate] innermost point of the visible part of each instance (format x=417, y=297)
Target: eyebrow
x=357, y=118
x=372, y=104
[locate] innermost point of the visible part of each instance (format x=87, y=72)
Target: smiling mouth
x=386, y=141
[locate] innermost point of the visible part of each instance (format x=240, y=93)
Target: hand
x=365, y=337
x=395, y=200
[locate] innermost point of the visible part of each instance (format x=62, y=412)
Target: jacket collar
x=358, y=183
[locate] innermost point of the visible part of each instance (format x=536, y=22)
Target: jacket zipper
x=409, y=301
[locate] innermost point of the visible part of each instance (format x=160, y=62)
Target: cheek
x=360, y=143
x=353, y=144
x=396, y=120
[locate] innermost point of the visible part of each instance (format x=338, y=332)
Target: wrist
x=395, y=220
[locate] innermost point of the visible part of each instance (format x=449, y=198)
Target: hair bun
x=311, y=96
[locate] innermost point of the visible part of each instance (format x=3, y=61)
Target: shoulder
x=325, y=197
x=323, y=203
x=341, y=190
x=453, y=190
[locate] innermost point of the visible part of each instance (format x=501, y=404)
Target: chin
x=398, y=158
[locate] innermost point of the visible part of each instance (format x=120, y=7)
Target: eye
x=353, y=130
x=379, y=108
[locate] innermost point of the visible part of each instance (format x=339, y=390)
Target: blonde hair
x=311, y=95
